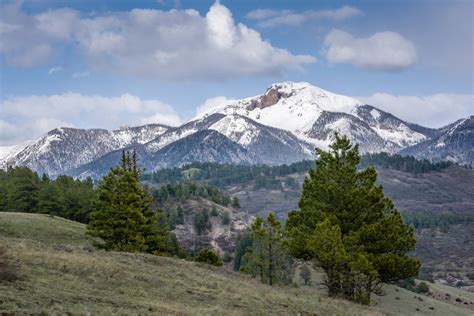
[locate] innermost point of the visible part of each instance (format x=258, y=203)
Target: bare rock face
x=270, y=98
x=252, y=105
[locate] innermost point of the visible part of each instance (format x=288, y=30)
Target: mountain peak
x=292, y=106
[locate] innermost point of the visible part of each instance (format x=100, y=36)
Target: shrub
x=209, y=257
x=471, y=276
x=214, y=211
x=423, y=288
x=225, y=218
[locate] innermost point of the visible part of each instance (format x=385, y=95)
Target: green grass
x=62, y=273
x=43, y=228
x=399, y=301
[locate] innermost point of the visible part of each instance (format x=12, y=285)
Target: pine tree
x=124, y=219
x=24, y=190
x=348, y=227
x=50, y=199
x=268, y=258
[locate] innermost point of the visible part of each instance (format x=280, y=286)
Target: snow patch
x=375, y=114
x=237, y=129
x=296, y=111
x=401, y=135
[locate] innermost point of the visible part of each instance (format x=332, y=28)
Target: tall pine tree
x=124, y=219
x=348, y=227
x=268, y=258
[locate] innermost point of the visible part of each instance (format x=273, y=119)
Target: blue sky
x=109, y=63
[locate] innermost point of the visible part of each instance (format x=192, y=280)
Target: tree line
x=269, y=177
x=403, y=163
x=421, y=220
x=22, y=190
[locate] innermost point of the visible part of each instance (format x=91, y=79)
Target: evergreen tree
x=235, y=202
x=4, y=198
x=24, y=191
x=268, y=258
x=124, y=219
x=348, y=227
x=50, y=199
x=243, y=245
x=209, y=257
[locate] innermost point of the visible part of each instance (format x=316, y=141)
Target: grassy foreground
x=62, y=273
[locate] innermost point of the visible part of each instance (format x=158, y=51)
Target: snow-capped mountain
x=9, y=152
x=313, y=115
x=214, y=138
x=281, y=126
x=63, y=149
x=454, y=142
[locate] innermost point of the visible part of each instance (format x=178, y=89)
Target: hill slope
x=62, y=273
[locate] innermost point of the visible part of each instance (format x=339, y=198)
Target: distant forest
x=23, y=190
x=222, y=175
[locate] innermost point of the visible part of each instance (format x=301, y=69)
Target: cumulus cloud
x=211, y=103
x=149, y=43
x=274, y=18
x=387, y=51
x=433, y=110
x=27, y=117
x=28, y=40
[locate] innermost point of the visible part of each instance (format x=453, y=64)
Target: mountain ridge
x=280, y=126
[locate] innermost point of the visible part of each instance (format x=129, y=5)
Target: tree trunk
x=270, y=264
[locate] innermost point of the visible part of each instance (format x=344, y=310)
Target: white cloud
x=26, y=42
x=387, y=51
x=211, y=103
x=433, y=110
x=54, y=70
x=274, y=18
x=27, y=117
x=261, y=14
x=149, y=43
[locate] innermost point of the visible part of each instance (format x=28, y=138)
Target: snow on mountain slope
x=272, y=145
x=290, y=106
x=219, y=138
x=297, y=107
x=66, y=148
x=281, y=126
x=8, y=152
x=454, y=142
x=237, y=128
x=177, y=133
x=391, y=128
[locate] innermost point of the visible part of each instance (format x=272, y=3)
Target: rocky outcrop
x=221, y=236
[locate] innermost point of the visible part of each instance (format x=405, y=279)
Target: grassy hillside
x=61, y=272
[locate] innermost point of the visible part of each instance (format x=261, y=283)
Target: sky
x=104, y=64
